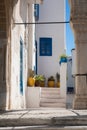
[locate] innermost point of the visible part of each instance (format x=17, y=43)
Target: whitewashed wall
x=50, y=12
x=73, y=62
x=70, y=78
x=17, y=31
x=63, y=79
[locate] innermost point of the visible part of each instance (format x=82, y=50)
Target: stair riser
x=50, y=89
x=53, y=105
x=50, y=92
x=50, y=96
x=53, y=100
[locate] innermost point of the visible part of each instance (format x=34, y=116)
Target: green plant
x=39, y=79
x=63, y=56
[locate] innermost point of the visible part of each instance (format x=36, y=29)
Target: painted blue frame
x=36, y=11
x=45, y=46
x=21, y=66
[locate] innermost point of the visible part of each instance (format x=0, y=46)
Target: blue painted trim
x=21, y=66
x=36, y=55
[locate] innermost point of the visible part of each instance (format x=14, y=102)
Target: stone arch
x=79, y=25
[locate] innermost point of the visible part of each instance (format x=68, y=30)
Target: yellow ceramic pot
x=51, y=83
x=31, y=81
x=58, y=84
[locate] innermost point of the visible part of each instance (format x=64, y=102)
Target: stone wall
x=79, y=26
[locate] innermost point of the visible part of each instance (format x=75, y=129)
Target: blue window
x=21, y=66
x=36, y=11
x=45, y=46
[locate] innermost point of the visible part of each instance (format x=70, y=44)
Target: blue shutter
x=45, y=46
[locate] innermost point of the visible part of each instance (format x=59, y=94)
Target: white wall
x=17, y=31
x=73, y=62
x=33, y=97
x=63, y=79
x=70, y=78
x=51, y=11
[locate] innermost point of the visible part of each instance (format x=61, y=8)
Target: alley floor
x=43, y=117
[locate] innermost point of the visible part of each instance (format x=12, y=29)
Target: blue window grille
x=36, y=11
x=45, y=46
x=21, y=66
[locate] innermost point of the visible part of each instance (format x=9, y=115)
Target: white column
x=63, y=79
x=79, y=26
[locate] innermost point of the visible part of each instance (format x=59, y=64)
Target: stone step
x=50, y=89
x=52, y=105
x=51, y=96
x=45, y=127
x=51, y=100
x=44, y=117
x=50, y=92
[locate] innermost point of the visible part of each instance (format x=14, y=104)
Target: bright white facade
x=20, y=46
x=73, y=62
x=70, y=78
x=51, y=11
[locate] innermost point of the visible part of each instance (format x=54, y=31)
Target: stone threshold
x=45, y=127
x=49, y=117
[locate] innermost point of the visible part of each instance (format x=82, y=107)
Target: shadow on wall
x=3, y=91
x=3, y=56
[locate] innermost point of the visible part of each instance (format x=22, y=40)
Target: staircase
x=50, y=97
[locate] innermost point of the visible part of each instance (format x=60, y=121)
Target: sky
x=70, y=44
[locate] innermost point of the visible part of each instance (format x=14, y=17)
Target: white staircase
x=50, y=97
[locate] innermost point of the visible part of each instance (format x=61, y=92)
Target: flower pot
x=37, y=83
x=63, y=60
x=58, y=84
x=42, y=84
x=31, y=81
x=51, y=83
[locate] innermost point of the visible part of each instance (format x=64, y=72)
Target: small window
x=45, y=46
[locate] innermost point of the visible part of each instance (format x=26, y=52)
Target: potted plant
x=63, y=58
x=31, y=80
x=58, y=80
x=39, y=80
x=51, y=81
